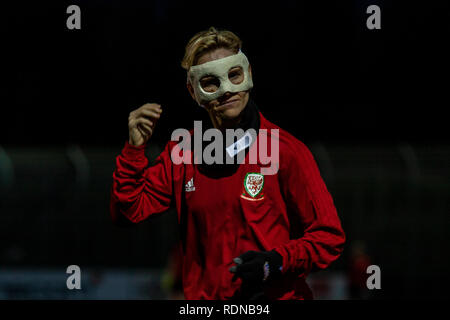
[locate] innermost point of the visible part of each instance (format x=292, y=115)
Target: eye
x=236, y=75
x=209, y=83
x=233, y=74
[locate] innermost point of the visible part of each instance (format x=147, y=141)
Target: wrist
x=134, y=152
x=130, y=144
x=275, y=263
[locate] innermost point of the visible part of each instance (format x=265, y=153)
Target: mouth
x=227, y=103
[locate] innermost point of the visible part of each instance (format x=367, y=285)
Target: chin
x=231, y=113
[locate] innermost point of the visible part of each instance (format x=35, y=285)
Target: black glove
x=257, y=267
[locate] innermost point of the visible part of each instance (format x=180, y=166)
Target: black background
x=319, y=72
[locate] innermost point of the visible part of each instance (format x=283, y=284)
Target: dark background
x=371, y=105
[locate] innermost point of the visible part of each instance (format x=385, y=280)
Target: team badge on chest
x=253, y=186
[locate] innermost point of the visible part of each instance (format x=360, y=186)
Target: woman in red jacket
x=246, y=233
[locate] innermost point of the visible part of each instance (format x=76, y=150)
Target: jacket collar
x=250, y=120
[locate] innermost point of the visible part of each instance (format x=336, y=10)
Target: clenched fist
x=141, y=123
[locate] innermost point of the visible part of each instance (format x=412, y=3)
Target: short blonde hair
x=208, y=40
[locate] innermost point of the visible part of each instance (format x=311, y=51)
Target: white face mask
x=219, y=68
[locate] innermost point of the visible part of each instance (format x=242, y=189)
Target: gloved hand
x=257, y=267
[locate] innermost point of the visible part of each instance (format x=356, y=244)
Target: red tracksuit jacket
x=293, y=214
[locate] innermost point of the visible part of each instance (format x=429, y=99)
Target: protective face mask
x=220, y=69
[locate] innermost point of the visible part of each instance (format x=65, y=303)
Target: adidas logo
x=190, y=185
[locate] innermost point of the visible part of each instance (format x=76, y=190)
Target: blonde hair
x=208, y=40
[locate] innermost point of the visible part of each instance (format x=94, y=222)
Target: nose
x=225, y=96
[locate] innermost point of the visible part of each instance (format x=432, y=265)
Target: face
x=229, y=105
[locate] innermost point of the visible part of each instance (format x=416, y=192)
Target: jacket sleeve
x=139, y=191
x=321, y=237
